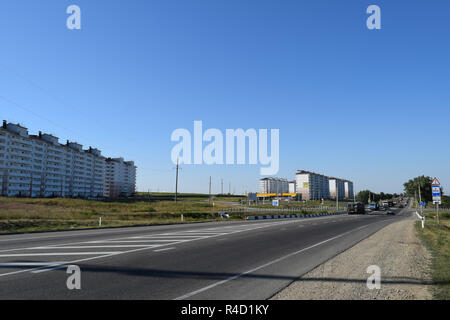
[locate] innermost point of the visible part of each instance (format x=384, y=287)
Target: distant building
x=337, y=188
x=312, y=186
x=292, y=187
x=273, y=185
x=120, y=177
x=349, y=193
x=40, y=166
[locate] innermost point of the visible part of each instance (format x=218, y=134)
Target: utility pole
x=209, y=189
x=222, y=188
x=420, y=201
x=176, y=182
x=229, y=187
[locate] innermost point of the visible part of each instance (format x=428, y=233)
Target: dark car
x=390, y=212
x=356, y=208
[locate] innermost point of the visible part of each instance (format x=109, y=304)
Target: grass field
x=437, y=239
x=26, y=215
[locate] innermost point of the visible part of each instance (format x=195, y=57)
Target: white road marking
x=29, y=264
x=140, y=241
x=146, y=247
x=90, y=247
x=55, y=254
x=193, y=293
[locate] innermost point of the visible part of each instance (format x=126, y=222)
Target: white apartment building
x=292, y=187
x=273, y=185
x=312, y=186
x=337, y=188
x=39, y=166
x=120, y=177
x=349, y=193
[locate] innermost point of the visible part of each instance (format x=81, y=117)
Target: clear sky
x=372, y=106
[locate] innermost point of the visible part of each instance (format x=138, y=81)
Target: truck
x=374, y=206
x=356, y=208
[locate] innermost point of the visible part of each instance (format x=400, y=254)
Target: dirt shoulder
x=403, y=259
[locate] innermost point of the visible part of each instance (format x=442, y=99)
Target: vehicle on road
x=374, y=206
x=388, y=204
x=390, y=212
x=223, y=214
x=356, y=208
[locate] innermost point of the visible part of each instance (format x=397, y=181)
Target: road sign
x=436, y=191
x=275, y=203
x=436, y=182
x=423, y=204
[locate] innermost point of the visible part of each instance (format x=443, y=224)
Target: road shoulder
x=403, y=259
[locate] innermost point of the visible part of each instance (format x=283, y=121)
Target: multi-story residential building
x=292, y=187
x=349, y=193
x=40, y=166
x=120, y=177
x=337, y=188
x=273, y=185
x=312, y=186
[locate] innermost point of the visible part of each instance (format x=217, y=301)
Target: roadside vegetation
x=28, y=215
x=437, y=239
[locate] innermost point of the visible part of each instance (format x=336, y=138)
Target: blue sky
x=372, y=106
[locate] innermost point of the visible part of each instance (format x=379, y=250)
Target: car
x=390, y=212
x=223, y=214
x=382, y=208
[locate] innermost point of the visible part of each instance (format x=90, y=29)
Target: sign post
x=436, y=193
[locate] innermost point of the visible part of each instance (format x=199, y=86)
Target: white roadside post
x=100, y=221
x=422, y=218
x=181, y=218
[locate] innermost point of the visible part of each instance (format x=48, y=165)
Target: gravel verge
x=404, y=262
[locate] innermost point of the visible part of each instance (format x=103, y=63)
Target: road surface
x=228, y=260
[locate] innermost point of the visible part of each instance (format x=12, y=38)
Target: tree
x=363, y=196
x=423, y=183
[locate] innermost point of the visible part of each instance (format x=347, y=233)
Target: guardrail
x=433, y=208
x=286, y=210
x=293, y=216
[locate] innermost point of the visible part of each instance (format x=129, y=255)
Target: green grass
x=26, y=215
x=437, y=239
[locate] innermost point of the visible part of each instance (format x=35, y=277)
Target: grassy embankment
x=27, y=215
x=437, y=239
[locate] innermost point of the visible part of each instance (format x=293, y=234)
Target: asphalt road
x=229, y=260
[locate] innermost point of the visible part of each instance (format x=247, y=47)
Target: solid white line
x=193, y=293
x=56, y=254
x=140, y=241
x=181, y=236
x=29, y=264
x=165, y=249
x=97, y=247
